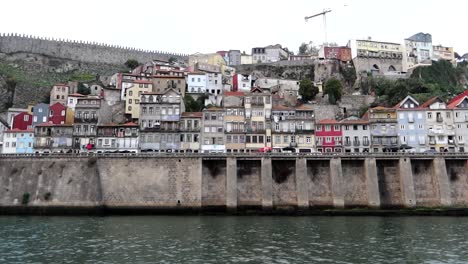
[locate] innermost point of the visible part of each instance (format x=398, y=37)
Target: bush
x=47, y=196
x=25, y=199
x=307, y=90
x=334, y=89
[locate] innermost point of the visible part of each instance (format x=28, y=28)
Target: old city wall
x=232, y=184
x=80, y=51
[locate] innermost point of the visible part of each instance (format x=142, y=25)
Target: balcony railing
x=347, y=143
x=356, y=143
x=439, y=119
x=366, y=143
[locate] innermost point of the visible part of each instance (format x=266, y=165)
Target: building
x=22, y=121
x=53, y=138
x=257, y=119
x=58, y=114
x=225, y=55
x=300, y=57
x=356, y=135
x=246, y=59
x=3, y=127
x=258, y=55
x=440, y=125
x=40, y=113
x=383, y=127
x=459, y=107
x=211, y=58
x=159, y=121
x=132, y=100
x=17, y=141
x=213, y=132
x=328, y=136
x=73, y=100
x=287, y=90
x=376, y=57
x=418, y=51
x=241, y=82
x=85, y=123
x=335, y=53
x=293, y=127
x=117, y=138
x=444, y=53
x=234, y=121
x=169, y=79
x=234, y=57
x=196, y=83
x=275, y=53
x=12, y=112
x=411, y=127
x=190, y=131
x=59, y=93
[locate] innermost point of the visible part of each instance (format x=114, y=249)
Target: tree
x=172, y=60
x=132, y=64
x=192, y=105
x=307, y=90
x=334, y=90
x=308, y=49
x=82, y=89
x=303, y=49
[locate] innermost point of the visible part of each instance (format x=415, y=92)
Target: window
x=129, y=108
x=307, y=139
x=328, y=139
x=130, y=101
x=130, y=93
x=40, y=110
x=327, y=128
x=26, y=118
x=429, y=115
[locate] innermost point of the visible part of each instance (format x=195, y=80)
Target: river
x=228, y=239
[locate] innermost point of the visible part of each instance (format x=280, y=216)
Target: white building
x=418, y=51
x=196, y=83
x=9, y=141
x=73, y=100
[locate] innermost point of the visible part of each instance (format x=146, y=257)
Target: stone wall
x=193, y=183
x=81, y=51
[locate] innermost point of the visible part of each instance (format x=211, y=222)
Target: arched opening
x=375, y=67
x=391, y=68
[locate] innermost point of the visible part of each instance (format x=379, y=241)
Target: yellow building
x=210, y=58
x=132, y=100
x=69, y=116
x=444, y=53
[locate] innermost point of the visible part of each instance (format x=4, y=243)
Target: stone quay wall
x=227, y=183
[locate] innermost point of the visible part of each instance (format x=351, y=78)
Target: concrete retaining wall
x=230, y=183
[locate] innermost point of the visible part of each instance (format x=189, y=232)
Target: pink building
x=328, y=136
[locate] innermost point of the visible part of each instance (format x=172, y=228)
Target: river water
x=223, y=239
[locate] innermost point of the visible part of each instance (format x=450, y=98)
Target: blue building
x=411, y=127
x=40, y=114
x=24, y=141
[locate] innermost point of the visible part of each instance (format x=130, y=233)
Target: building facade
x=440, y=125
x=22, y=121
x=356, y=135
x=418, y=51
x=213, y=132
x=328, y=136
x=190, y=131
x=383, y=126
x=444, y=53
x=59, y=94
x=57, y=114
x=85, y=123
x=53, y=138
x=234, y=121
x=40, y=113
x=257, y=119
x=118, y=138
x=132, y=100
x=412, y=130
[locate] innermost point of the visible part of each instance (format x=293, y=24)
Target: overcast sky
x=210, y=25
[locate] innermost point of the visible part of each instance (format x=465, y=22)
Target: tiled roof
x=77, y=95
x=354, y=120
x=192, y=114
x=430, y=101
x=304, y=107
x=234, y=93
x=17, y=130
x=328, y=121
x=50, y=124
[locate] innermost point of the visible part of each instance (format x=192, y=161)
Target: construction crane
x=325, y=11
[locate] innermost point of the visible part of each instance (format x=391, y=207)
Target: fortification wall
x=80, y=50
x=193, y=183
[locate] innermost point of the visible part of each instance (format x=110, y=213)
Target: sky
x=206, y=26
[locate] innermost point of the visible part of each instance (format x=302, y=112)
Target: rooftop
x=192, y=114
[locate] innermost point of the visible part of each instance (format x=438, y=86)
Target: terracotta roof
x=128, y=124
x=143, y=81
x=328, y=121
x=354, y=120
x=77, y=95
x=454, y=103
x=234, y=93
x=16, y=130
x=430, y=101
x=60, y=84
x=457, y=97
x=49, y=124
x=282, y=108
x=213, y=108
x=192, y=114
x=304, y=107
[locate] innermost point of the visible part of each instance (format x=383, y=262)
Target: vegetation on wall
x=440, y=79
x=132, y=64
x=307, y=90
x=334, y=89
x=192, y=105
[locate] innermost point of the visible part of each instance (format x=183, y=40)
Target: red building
x=22, y=121
x=328, y=136
x=338, y=53
x=57, y=114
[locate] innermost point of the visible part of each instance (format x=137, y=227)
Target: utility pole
x=325, y=11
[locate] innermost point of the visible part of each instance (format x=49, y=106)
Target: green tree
x=11, y=83
x=307, y=90
x=82, y=89
x=334, y=90
x=303, y=49
x=132, y=64
x=172, y=60
x=192, y=105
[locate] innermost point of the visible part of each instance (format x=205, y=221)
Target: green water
x=248, y=239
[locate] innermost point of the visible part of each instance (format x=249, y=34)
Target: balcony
x=189, y=129
x=234, y=131
x=86, y=120
x=347, y=143
x=356, y=143
x=439, y=119
x=365, y=143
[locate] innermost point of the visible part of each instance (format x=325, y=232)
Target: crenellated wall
x=232, y=183
x=80, y=50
